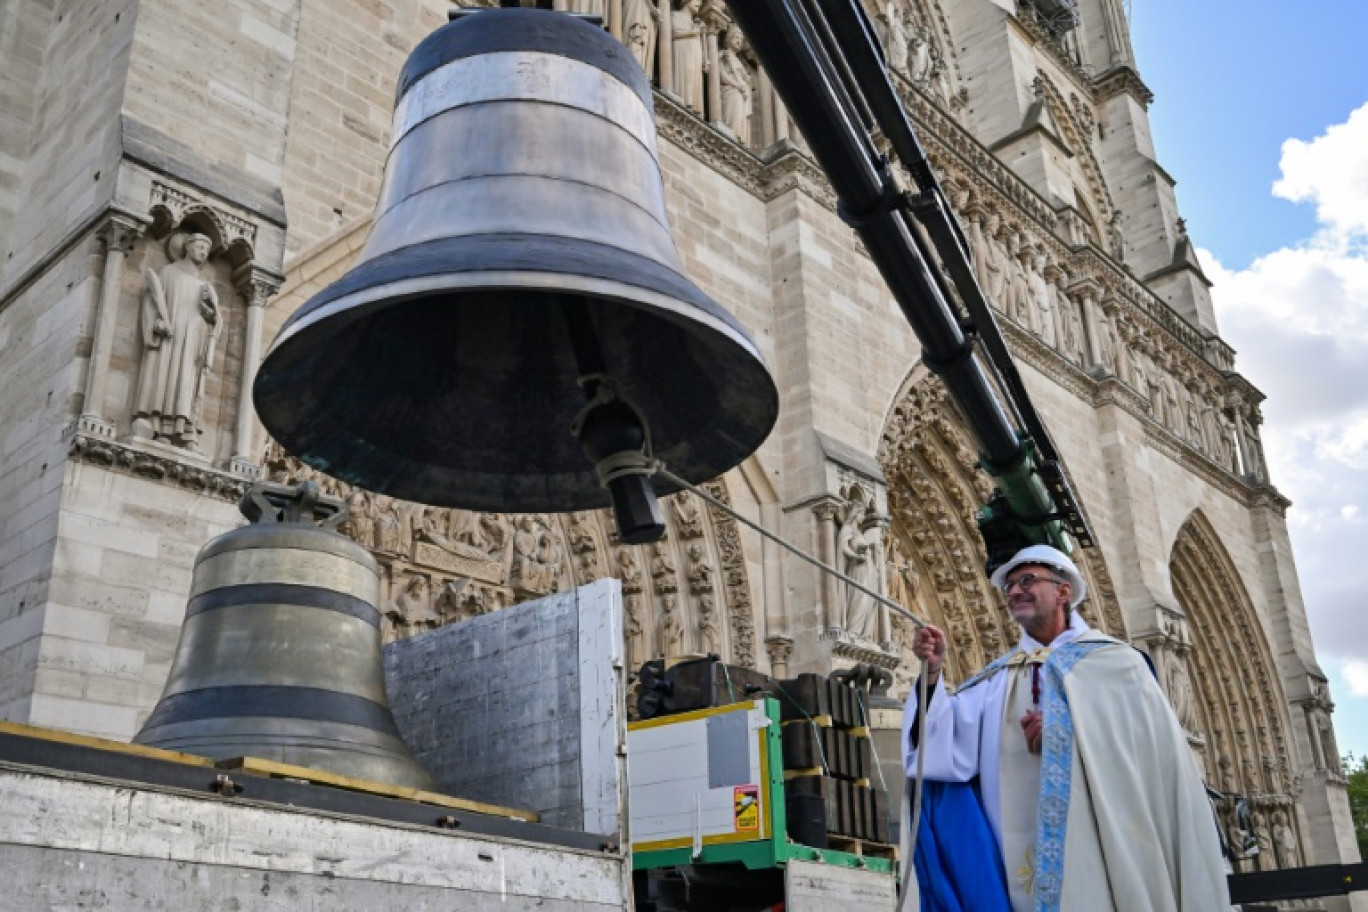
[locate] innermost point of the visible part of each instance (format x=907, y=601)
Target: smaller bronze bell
x=279, y=656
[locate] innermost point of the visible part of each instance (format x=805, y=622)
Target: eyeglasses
x=1027, y=580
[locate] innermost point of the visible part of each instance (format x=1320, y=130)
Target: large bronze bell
x=279, y=657
x=519, y=264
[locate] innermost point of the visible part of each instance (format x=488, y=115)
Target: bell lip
x=365, y=301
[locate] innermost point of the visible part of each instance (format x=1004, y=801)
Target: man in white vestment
x=1084, y=773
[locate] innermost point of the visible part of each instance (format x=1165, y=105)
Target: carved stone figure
x=663, y=569
x=639, y=24
x=940, y=78
x=857, y=562
x=413, y=605
x=920, y=62
x=360, y=521
x=1040, y=292
x=690, y=60
x=992, y=262
x=1284, y=842
x=536, y=567
x=734, y=76
x=1178, y=684
x=1018, y=290
x=629, y=572
x=388, y=533
x=895, y=37
x=1071, y=327
x=180, y=324
x=688, y=516
x=701, y=585
x=668, y=627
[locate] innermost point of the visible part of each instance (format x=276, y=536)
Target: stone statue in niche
x=1071, y=325
x=1225, y=441
x=389, y=538
x=663, y=569
x=360, y=519
x=536, y=556
x=1039, y=290
x=921, y=61
x=639, y=24
x=412, y=607
x=992, y=275
x=1018, y=291
x=940, y=78
x=629, y=572
x=1284, y=841
x=701, y=585
x=1261, y=833
x=895, y=37
x=736, y=87
x=690, y=60
x=858, y=563
x=180, y=324
x=688, y=517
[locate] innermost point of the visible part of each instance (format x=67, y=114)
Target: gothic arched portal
x=1220, y=676
x=934, y=553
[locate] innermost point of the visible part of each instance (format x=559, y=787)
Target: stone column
x=665, y=47
x=614, y=18
x=766, y=97
x=712, y=25
x=257, y=288
x=826, y=512
x=780, y=649
x=781, y=120
x=118, y=233
x=1086, y=292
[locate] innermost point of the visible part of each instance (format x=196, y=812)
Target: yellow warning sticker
x=746, y=804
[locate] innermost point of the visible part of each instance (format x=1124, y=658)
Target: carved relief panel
x=683, y=595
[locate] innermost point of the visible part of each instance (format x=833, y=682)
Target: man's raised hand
x=929, y=646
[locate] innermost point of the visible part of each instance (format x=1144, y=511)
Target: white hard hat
x=1046, y=556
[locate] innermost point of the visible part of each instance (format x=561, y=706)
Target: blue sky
x=1261, y=115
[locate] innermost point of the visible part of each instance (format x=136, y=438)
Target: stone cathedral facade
x=177, y=177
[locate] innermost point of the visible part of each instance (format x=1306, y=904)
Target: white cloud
x=1356, y=676
x=1298, y=318
x=1332, y=172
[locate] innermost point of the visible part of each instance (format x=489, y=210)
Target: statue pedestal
x=166, y=450
x=842, y=649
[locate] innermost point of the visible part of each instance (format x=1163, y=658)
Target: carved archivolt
x=685, y=594
x=1237, y=706
x=934, y=553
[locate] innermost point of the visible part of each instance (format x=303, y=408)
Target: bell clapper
x=614, y=436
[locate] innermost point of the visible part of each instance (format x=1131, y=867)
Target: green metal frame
x=773, y=852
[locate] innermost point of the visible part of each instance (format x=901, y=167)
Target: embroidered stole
x=1019, y=773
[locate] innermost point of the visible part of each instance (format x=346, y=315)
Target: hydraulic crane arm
x=825, y=63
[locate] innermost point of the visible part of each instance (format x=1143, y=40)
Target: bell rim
x=404, y=486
